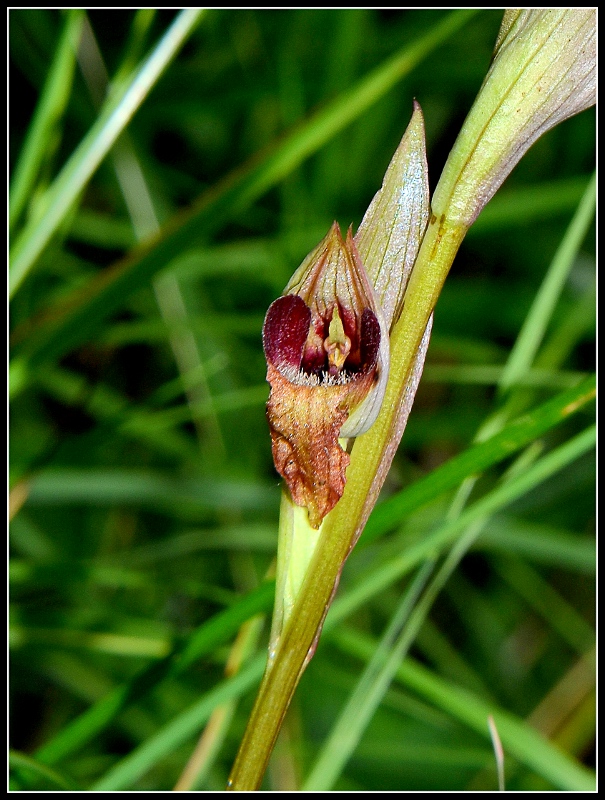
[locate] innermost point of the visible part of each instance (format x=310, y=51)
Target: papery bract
x=393, y=226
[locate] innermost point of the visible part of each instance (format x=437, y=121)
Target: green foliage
x=144, y=501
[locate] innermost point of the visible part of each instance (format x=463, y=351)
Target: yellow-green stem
x=343, y=525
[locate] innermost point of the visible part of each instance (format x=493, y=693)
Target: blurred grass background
x=144, y=502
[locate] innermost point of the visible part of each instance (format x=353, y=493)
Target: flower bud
x=327, y=351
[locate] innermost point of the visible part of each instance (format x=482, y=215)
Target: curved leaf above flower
x=543, y=72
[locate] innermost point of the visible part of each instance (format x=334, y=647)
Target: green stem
x=370, y=459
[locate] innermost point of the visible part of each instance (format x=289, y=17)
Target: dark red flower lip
x=286, y=331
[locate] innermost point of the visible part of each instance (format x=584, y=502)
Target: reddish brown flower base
x=304, y=434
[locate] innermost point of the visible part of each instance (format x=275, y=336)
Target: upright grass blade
x=119, y=108
x=50, y=108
